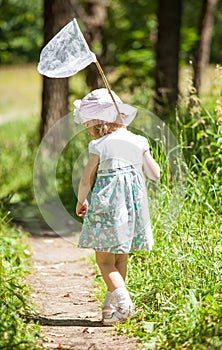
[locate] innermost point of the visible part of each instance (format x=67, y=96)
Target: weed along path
x=62, y=284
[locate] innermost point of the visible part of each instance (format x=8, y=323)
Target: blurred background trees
x=204, y=40
x=169, y=15
x=141, y=45
x=20, y=31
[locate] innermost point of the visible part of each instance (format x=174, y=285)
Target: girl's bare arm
x=86, y=183
x=150, y=166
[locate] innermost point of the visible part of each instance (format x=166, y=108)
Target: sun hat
x=98, y=104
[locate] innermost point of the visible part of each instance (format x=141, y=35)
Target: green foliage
x=216, y=49
x=69, y=170
x=189, y=38
x=177, y=287
x=20, y=30
x=202, y=133
x=133, y=52
x=189, y=29
x=129, y=40
x=15, y=331
x=18, y=140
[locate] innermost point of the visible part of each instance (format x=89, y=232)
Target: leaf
x=67, y=295
x=88, y=330
x=151, y=345
x=148, y=327
x=193, y=299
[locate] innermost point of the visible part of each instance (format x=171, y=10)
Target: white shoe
x=112, y=317
x=126, y=313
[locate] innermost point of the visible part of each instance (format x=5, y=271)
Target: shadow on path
x=28, y=218
x=67, y=322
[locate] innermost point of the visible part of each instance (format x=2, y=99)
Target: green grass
x=16, y=332
x=20, y=91
x=18, y=142
x=177, y=287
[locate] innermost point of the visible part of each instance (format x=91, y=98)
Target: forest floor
x=62, y=284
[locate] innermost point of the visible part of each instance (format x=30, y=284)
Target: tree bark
x=203, y=47
x=167, y=56
x=94, y=16
x=57, y=13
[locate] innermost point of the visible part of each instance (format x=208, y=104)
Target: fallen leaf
x=67, y=295
x=88, y=330
x=59, y=346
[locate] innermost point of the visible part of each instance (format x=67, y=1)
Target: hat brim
x=110, y=114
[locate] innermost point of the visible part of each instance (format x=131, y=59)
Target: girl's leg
x=121, y=264
x=108, y=266
x=113, y=269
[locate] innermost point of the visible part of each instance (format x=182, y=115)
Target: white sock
x=109, y=300
x=122, y=298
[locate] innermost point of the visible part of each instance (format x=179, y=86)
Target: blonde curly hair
x=102, y=128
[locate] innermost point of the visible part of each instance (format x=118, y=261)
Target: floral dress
x=117, y=220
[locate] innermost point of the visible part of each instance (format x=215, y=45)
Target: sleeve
x=92, y=148
x=144, y=144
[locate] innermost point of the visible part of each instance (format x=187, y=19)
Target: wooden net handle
x=107, y=85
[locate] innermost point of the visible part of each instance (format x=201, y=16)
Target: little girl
x=117, y=220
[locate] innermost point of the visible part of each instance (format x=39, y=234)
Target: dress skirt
x=117, y=219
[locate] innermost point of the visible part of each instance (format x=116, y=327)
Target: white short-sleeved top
x=118, y=149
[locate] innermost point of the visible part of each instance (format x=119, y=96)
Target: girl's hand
x=81, y=209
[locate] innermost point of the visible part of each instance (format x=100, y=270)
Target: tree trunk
x=57, y=13
x=167, y=56
x=203, y=47
x=94, y=15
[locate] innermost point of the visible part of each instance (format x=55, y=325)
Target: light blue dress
x=117, y=220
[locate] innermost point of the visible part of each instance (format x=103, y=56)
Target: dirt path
x=62, y=293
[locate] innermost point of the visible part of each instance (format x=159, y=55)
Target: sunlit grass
x=211, y=82
x=20, y=90
x=15, y=331
x=177, y=288
x=18, y=143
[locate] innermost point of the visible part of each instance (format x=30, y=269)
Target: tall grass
x=177, y=286
x=15, y=331
x=18, y=144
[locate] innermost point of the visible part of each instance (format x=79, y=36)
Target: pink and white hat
x=98, y=104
